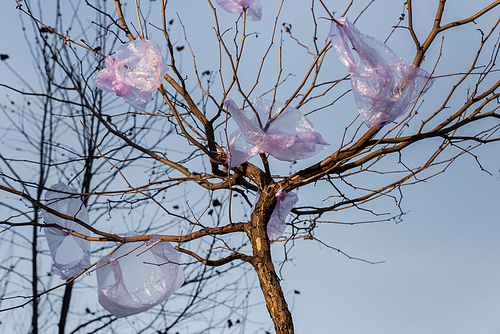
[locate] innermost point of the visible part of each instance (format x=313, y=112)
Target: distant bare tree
x=164, y=172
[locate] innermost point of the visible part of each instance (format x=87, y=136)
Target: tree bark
x=34, y=281
x=262, y=262
x=65, y=306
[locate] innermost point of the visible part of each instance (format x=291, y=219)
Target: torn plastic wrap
x=134, y=73
x=288, y=137
x=254, y=8
x=284, y=203
x=138, y=276
x=384, y=85
x=71, y=255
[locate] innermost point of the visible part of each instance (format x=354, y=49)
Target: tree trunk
x=65, y=306
x=262, y=262
x=34, y=281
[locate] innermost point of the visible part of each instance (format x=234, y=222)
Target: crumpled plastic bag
x=71, y=255
x=285, y=202
x=384, y=85
x=133, y=283
x=134, y=73
x=254, y=8
x=289, y=137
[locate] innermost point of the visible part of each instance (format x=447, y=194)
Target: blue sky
x=441, y=270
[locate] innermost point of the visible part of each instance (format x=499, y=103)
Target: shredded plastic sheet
x=134, y=73
x=129, y=281
x=288, y=137
x=285, y=202
x=254, y=8
x=71, y=254
x=384, y=85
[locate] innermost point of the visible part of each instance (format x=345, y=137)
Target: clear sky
x=441, y=270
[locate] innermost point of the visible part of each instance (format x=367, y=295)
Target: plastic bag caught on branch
x=285, y=202
x=71, y=255
x=138, y=276
x=254, y=8
x=289, y=137
x=134, y=73
x=384, y=85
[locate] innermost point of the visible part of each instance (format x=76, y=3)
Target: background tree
x=163, y=171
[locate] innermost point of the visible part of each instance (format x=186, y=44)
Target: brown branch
x=410, y=27
x=330, y=13
x=471, y=18
x=38, y=204
x=216, y=263
x=324, y=167
x=41, y=95
x=122, y=20
x=437, y=28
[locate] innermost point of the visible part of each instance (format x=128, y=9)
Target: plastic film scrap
x=285, y=202
x=134, y=73
x=138, y=276
x=71, y=255
x=254, y=8
x=384, y=85
x=289, y=137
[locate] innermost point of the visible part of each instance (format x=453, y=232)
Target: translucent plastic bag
x=71, y=255
x=285, y=202
x=289, y=137
x=140, y=280
x=254, y=8
x=134, y=73
x=384, y=85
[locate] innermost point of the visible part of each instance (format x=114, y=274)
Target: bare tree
x=165, y=172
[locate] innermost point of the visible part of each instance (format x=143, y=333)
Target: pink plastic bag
x=71, y=255
x=134, y=73
x=289, y=137
x=254, y=8
x=134, y=283
x=285, y=202
x=384, y=85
